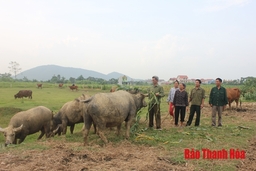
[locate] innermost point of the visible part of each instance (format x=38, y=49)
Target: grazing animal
x=113, y=89
x=73, y=88
x=28, y=122
x=70, y=114
x=40, y=86
x=233, y=94
x=110, y=110
x=23, y=93
x=60, y=85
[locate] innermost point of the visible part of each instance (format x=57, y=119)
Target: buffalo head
x=9, y=134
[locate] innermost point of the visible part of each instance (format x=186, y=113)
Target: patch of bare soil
x=250, y=162
x=125, y=156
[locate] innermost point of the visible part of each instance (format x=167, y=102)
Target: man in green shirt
x=218, y=101
x=155, y=93
x=197, y=96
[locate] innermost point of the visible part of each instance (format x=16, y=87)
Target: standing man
x=218, y=101
x=154, y=105
x=171, y=96
x=197, y=96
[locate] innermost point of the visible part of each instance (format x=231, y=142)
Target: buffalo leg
x=15, y=141
x=87, y=126
x=118, y=129
x=95, y=128
x=101, y=134
x=64, y=127
x=21, y=139
x=47, y=130
x=72, y=128
x=42, y=134
x=128, y=126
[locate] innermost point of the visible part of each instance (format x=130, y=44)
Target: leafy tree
x=72, y=80
x=54, y=79
x=80, y=78
x=14, y=68
x=249, y=88
x=112, y=81
x=25, y=79
x=5, y=77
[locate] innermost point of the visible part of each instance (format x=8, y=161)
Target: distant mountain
x=45, y=72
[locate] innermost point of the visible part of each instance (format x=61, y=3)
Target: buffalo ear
x=16, y=130
x=2, y=130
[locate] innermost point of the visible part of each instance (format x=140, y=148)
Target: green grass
x=173, y=140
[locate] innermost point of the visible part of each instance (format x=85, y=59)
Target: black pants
x=155, y=111
x=180, y=110
x=193, y=109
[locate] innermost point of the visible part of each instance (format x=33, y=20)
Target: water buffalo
x=23, y=93
x=70, y=114
x=28, y=122
x=110, y=110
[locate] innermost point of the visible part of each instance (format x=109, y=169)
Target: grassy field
x=171, y=141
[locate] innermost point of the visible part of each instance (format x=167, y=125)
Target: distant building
x=182, y=78
x=122, y=80
x=207, y=81
x=191, y=80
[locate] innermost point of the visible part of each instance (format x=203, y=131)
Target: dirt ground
x=124, y=156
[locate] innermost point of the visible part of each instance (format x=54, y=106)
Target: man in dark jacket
x=218, y=101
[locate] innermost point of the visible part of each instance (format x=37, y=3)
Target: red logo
x=214, y=154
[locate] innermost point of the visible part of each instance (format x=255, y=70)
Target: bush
x=249, y=89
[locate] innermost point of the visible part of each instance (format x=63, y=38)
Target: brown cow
x=23, y=93
x=40, y=86
x=233, y=94
x=113, y=89
x=73, y=88
x=60, y=85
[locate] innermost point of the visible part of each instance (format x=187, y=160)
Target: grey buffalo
x=28, y=122
x=70, y=114
x=111, y=110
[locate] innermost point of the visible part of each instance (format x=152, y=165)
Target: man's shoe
x=219, y=125
x=159, y=129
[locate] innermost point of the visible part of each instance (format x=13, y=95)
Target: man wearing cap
x=197, y=96
x=154, y=104
x=218, y=101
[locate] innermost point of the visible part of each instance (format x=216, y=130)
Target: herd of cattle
x=101, y=110
x=61, y=85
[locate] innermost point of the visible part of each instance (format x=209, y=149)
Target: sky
x=199, y=38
